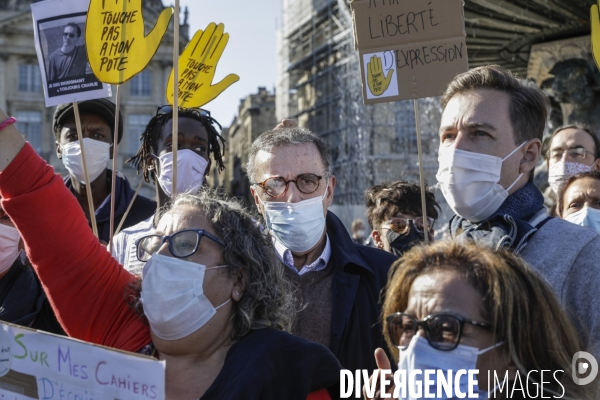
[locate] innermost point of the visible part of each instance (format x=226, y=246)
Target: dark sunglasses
x=71, y=35
x=167, y=109
x=442, y=331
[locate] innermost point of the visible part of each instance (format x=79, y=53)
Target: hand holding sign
x=595, y=22
x=197, y=65
x=378, y=82
x=116, y=43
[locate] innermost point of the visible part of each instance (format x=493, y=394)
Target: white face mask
x=173, y=296
x=97, y=155
x=469, y=182
x=561, y=171
x=190, y=171
x=420, y=355
x=9, y=246
x=587, y=216
x=298, y=226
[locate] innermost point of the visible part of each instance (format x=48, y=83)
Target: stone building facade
x=21, y=94
x=256, y=114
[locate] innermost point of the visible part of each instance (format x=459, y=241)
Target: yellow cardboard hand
x=378, y=83
x=117, y=46
x=595, y=22
x=197, y=65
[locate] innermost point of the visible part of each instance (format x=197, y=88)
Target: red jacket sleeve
x=322, y=394
x=85, y=284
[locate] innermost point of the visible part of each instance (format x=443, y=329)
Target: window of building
x=29, y=123
x=141, y=84
x=29, y=78
x=136, y=123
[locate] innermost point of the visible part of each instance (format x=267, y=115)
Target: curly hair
x=154, y=130
x=520, y=306
x=267, y=300
x=386, y=200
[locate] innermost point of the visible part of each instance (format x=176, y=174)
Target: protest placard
x=408, y=49
x=118, y=47
x=595, y=25
x=58, y=27
x=39, y=365
x=197, y=66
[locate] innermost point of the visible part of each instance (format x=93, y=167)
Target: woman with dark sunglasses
x=452, y=306
x=199, y=143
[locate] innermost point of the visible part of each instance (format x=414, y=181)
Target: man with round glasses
x=395, y=214
x=70, y=59
x=338, y=282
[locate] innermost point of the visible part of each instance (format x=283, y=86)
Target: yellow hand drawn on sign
x=595, y=22
x=197, y=65
x=117, y=46
x=378, y=83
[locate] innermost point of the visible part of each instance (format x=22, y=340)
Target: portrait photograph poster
x=59, y=32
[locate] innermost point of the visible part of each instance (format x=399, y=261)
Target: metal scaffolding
x=319, y=85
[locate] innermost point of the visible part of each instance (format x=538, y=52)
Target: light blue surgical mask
x=420, y=355
x=587, y=216
x=297, y=226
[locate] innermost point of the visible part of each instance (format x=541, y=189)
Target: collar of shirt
x=286, y=256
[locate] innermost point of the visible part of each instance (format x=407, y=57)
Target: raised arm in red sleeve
x=84, y=283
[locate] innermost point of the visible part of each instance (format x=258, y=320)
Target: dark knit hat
x=104, y=108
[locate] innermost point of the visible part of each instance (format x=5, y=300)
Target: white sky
x=250, y=52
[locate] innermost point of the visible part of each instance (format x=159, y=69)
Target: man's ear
x=377, y=240
x=330, y=190
x=531, y=155
x=256, y=199
x=58, y=150
x=596, y=165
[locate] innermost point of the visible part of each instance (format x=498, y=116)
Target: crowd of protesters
x=272, y=303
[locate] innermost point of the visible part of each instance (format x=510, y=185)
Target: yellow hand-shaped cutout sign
x=197, y=65
x=378, y=82
x=117, y=46
x=595, y=22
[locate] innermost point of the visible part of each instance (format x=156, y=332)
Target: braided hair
x=154, y=130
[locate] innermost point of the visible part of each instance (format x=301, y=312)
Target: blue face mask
x=420, y=355
x=298, y=226
x=586, y=217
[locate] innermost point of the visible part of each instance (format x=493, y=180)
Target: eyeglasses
x=443, y=331
x=400, y=225
x=574, y=152
x=71, y=35
x=277, y=186
x=166, y=109
x=182, y=244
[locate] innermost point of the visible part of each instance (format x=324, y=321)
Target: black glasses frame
x=167, y=238
x=287, y=182
x=424, y=323
x=167, y=108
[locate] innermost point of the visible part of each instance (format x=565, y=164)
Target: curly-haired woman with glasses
x=453, y=306
x=213, y=301
x=199, y=143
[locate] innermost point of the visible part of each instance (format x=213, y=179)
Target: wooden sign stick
x=114, y=170
x=421, y=177
x=88, y=188
x=175, y=93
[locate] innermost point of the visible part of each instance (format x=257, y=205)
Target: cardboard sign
x=118, y=48
x=58, y=27
x=408, y=48
x=197, y=67
x=38, y=365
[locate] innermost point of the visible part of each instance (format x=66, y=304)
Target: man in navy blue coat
x=337, y=283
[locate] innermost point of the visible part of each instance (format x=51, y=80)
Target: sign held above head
x=408, y=49
x=197, y=66
x=118, y=48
